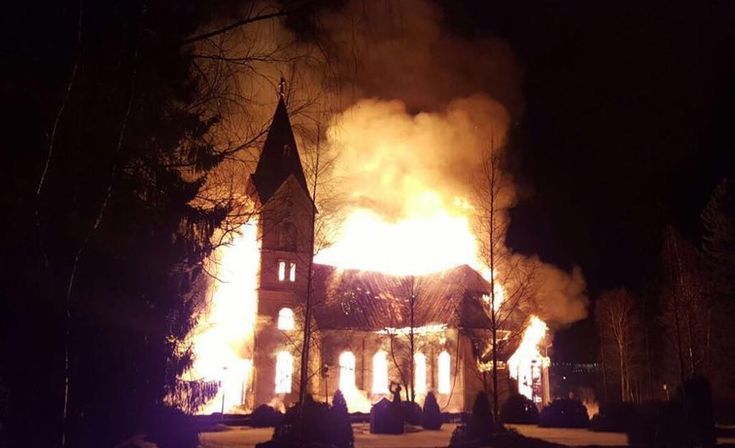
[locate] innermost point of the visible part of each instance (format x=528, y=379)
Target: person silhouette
x=395, y=389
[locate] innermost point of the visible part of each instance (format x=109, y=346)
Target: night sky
x=626, y=128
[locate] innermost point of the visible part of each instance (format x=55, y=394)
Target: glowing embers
x=445, y=366
x=346, y=371
x=286, y=320
x=284, y=372
x=380, y=373
x=419, y=373
x=527, y=364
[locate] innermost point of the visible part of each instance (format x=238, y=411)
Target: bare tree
x=686, y=305
x=616, y=317
x=511, y=297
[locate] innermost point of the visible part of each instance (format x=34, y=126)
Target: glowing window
x=419, y=373
x=380, y=373
x=346, y=371
x=286, y=319
x=284, y=372
x=282, y=266
x=444, y=375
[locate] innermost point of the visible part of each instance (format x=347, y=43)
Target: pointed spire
x=280, y=156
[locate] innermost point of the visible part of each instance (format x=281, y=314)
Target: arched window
x=419, y=373
x=287, y=236
x=445, y=382
x=380, y=372
x=284, y=372
x=346, y=371
x=286, y=319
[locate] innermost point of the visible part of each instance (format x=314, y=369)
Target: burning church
x=427, y=332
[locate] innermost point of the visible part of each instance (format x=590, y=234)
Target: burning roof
x=365, y=300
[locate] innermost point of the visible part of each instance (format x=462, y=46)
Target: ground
x=248, y=437
x=245, y=437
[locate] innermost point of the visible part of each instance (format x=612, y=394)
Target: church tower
x=286, y=231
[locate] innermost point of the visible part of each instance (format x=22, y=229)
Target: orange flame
x=223, y=336
x=525, y=364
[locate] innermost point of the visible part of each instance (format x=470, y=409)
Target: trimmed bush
x=478, y=431
x=613, y=417
x=461, y=438
x=431, y=416
x=411, y=413
x=171, y=428
x=265, y=416
x=481, y=424
x=316, y=427
x=686, y=421
x=386, y=417
x=641, y=430
x=340, y=422
x=564, y=413
x=519, y=409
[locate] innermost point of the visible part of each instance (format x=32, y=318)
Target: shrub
x=265, y=416
x=685, y=421
x=519, y=409
x=480, y=425
x=315, y=428
x=461, y=438
x=411, y=412
x=431, y=416
x=613, y=417
x=171, y=428
x=695, y=399
x=386, y=417
x=340, y=422
x=641, y=430
x=564, y=413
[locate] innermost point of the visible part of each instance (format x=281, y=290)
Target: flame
x=431, y=237
x=526, y=363
x=223, y=336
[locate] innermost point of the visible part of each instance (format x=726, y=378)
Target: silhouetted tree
x=618, y=324
x=432, y=416
x=340, y=421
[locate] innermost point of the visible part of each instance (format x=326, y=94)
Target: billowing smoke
x=388, y=157
x=409, y=110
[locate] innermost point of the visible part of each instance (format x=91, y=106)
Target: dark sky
x=626, y=128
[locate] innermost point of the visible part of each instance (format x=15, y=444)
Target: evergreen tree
x=340, y=419
x=432, y=416
x=108, y=152
x=481, y=424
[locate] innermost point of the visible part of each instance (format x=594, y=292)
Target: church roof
x=362, y=300
x=280, y=157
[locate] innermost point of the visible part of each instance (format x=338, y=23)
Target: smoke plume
x=409, y=110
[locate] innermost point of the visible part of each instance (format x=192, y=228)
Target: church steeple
x=280, y=157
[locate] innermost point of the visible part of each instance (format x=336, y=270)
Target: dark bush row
x=389, y=417
x=564, y=413
x=317, y=424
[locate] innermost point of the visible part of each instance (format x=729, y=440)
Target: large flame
x=430, y=238
x=526, y=364
x=223, y=337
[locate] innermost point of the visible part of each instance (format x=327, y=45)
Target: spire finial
x=282, y=88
